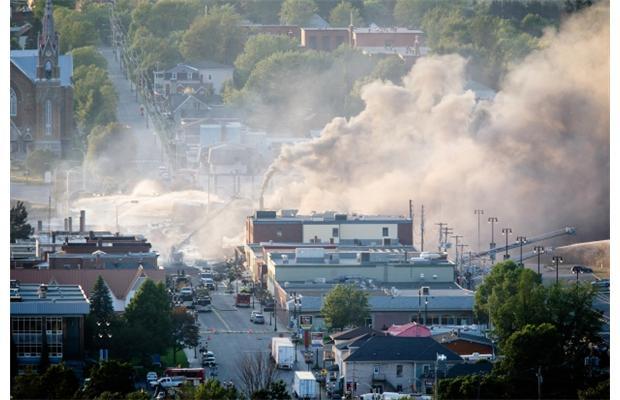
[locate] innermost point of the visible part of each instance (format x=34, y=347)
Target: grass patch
x=167, y=359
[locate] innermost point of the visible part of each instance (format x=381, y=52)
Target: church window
x=48, y=117
x=13, y=103
x=48, y=70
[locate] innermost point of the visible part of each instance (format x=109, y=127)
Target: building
x=105, y=252
x=179, y=79
x=122, y=283
x=292, y=31
x=324, y=39
x=41, y=102
x=376, y=37
x=412, y=329
x=215, y=74
x=395, y=364
x=469, y=345
x=56, y=311
x=328, y=227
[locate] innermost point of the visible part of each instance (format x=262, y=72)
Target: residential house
x=412, y=329
x=179, y=79
x=54, y=311
x=469, y=346
x=392, y=363
x=215, y=74
x=122, y=283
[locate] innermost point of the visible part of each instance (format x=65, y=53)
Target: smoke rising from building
x=537, y=156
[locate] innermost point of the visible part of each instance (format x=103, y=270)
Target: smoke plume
x=536, y=156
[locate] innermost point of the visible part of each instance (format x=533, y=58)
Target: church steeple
x=47, y=66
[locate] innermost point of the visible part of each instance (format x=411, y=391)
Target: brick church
x=42, y=95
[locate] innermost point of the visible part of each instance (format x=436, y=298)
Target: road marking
x=217, y=314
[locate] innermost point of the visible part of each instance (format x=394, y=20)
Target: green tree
x=531, y=347
x=261, y=12
x=211, y=389
x=345, y=306
x=216, y=36
x=39, y=6
x=340, y=16
x=409, y=13
x=110, y=376
x=258, y=48
x=149, y=320
x=534, y=24
x=378, y=12
x=156, y=52
x=139, y=395
x=15, y=44
x=39, y=161
x=59, y=382
x=491, y=386
x=276, y=391
x=20, y=228
x=184, y=331
x=28, y=386
x=597, y=392
x=100, y=301
x=297, y=12
x=167, y=16
x=74, y=30
x=88, y=56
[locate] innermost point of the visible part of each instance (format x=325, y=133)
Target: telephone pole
x=456, y=250
x=478, y=213
x=412, y=224
x=441, y=225
x=422, y=229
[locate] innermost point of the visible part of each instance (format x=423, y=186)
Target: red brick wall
x=334, y=37
x=26, y=108
x=291, y=233
x=405, y=234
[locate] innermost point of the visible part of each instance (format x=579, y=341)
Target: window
x=13, y=103
x=48, y=117
x=279, y=233
x=386, y=231
x=48, y=70
x=190, y=76
x=335, y=232
x=26, y=333
x=174, y=76
x=399, y=371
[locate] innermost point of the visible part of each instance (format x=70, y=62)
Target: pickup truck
x=167, y=382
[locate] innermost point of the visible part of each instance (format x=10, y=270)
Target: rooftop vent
x=43, y=291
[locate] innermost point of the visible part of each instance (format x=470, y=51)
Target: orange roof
x=119, y=281
x=411, y=329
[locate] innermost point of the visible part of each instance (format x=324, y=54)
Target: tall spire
x=47, y=66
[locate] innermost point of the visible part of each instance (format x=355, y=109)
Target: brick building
x=292, y=31
x=41, y=102
x=324, y=39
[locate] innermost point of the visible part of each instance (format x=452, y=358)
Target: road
x=148, y=155
x=231, y=336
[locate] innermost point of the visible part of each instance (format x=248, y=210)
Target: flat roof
x=59, y=299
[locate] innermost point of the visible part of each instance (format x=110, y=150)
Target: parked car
x=253, y=315
x=601, y=283
x=581, y=269
x=167, y=381
x=259, y=319
x=209, y=359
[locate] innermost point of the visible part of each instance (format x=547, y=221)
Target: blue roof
x=26, y=61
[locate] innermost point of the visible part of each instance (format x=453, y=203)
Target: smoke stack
x=70, y=223
x=82, y=221
x=39, y=226
x=66, y=224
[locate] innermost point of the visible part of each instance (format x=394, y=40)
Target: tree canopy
x=340, y=16
x=57, y=382
x=94, y=97
x=297, y=12
x=184, y=330
x=345, y=306
x=39, y=161
x=110, y=376
x=88, y=56
x=20, y=228
x=378, y=12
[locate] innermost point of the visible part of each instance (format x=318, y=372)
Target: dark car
x=581, y=269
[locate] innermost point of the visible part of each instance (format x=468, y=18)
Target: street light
x=426, y=311
x=492, y=221
x=539, y=250
x=557, y=260
x=506, y=231
x=478, y=213
x=275, y=316
x=521, y=240
x=122, y=204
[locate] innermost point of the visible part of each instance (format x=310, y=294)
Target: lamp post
x=539, y=250
x=122, y=204
x=275, y=316
x=506, y=231
x=478, y=213
x=521, y=240
x=439, y=357
x=426, y=311
x=492, y=221
x=557, y=260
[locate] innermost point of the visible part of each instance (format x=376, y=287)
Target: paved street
x=231, y=336
x=148, y=155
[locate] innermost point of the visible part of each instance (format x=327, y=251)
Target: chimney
x=82, y=221
x=70, y=221
x=66, y=224
x=39, y=226
x=43, y=291
x=91, y=235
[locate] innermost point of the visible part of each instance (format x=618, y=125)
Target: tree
x=491, y=386
x=139, y=395
x=39, y=161
x=74, y=30
x=94, y=97
x=20, y=228
x=340, y=16
x=256, y=372
x=216, y=36
x=110, y=376
x=531, y=347
x=258, y=48
x=378, y=12
x=600, y=391
x=409, y=13
x=261, y=12
x=211, y=389
x=345, y=306
x=88, y=56
x=59, y=382
x=275, y=391
x=39, y=6
x=101, y=302
x=297, y=12
x=184, y=331
x=28, y=386
x=148, y=318
x=110, y=148
x=167, y=16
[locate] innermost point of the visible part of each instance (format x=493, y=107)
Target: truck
x=304, y=385
x=283, y=352
x=243, y=299
x=167, y=381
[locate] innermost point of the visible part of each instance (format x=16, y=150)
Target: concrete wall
x=367, y=231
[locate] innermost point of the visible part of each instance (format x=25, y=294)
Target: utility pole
x=557, y=260
x=412, y=224
x=422, y=229
x=492, y=221
x=462, y=245
x=478, y=213
x=521, y=240
x=446, y=232
x=441, y=225
x=456, y=250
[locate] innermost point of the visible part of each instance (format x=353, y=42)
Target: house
x=215, y=74
x=341, y=340
x=54, y=311
x=392, y=363
x=412, y=329
x=41, y=102
x=122, y=283
x=178, y=79
x=469, y=346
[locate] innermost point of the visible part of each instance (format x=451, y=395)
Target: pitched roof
x=411, y=329
x=26, y=61
x=394, y=348
x=119, y=281
x=454, y=335
x=354, y=333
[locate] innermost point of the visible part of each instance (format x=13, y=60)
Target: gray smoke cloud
x=537, y=156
